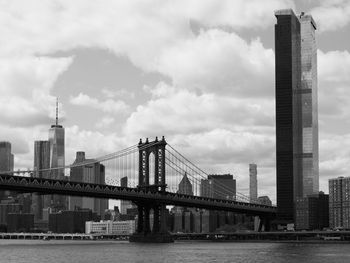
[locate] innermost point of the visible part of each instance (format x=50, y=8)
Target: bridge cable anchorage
x=200, y=172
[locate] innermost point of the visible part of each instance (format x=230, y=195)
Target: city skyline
x=126, y=92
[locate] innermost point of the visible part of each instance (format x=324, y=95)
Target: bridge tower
x=159, y=231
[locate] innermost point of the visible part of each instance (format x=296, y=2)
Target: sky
x=199, y=72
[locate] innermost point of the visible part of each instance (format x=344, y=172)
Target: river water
x=119, y=251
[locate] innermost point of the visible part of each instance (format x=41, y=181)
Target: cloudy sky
x=199, y=72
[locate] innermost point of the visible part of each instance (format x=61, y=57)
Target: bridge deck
x=50, y=186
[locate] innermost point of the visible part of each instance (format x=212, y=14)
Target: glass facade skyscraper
x=57, y=159
x=6, y=157
x=56, y=139
x=296, y=111
x=41, y=161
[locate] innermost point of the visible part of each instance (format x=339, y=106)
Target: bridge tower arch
x=159, y=231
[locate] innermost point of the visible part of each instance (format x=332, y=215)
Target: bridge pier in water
x=159, y=233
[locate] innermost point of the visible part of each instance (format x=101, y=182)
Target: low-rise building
x=110, y=227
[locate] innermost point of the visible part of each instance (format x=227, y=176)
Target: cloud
x=334, y=94
x=108, y=106
x=179, y=111
x=127, y=28
x=105, y=122
x=25, y=85
x=220, y=62
x=332, y=14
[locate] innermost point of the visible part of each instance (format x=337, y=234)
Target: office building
x=339, y=203
x=18, y=222
x=110, y=227
x=88, y=171
x=125, y=204
x=219, y=186
x=185, y=186
x=253, y=182
x=41, y=162
x=209, y=221
x=57, y=159
x=197, y=221
x=6, y=157
x=296, y=111
x=6, y=207
x=312, y=212
x=6, y=163
x=70, y=221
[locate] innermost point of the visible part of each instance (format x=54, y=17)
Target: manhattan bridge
x=154, y=170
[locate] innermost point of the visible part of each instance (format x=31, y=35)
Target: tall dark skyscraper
x=6, y=163
x=6, y=157
x=296, y=110
x=41, y=161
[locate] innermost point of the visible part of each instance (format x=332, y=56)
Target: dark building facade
x=89, y=171
x=6, y=207
x=41, y=161
x=70, y=221
x=296, y=111
x=312, y=212
x=6, y=164
x=221, y=186
x=18, y=222
x=125, y=204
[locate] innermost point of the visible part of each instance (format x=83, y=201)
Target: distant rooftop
x=302, y=17
x=284, y=12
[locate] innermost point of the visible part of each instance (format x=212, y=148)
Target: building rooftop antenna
x=56, y=111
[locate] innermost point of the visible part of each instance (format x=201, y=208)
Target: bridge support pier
x=159, y=233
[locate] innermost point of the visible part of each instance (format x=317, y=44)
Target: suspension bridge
x=154, y=170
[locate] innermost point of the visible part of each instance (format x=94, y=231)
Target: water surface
x=62, y=251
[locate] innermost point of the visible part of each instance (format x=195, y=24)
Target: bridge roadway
x=50, y=186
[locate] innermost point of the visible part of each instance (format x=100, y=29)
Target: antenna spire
x=56, y=111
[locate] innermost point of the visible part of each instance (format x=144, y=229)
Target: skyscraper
x=309, y=105
x=41, y=161
x=339, y=202
x=89, y=171
x=253, y=182
x=124, y=204
x=6, y=157
x=6, y=163
x=296, y=111
x=185, y=186
x=221, y=186
x=56, y=140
